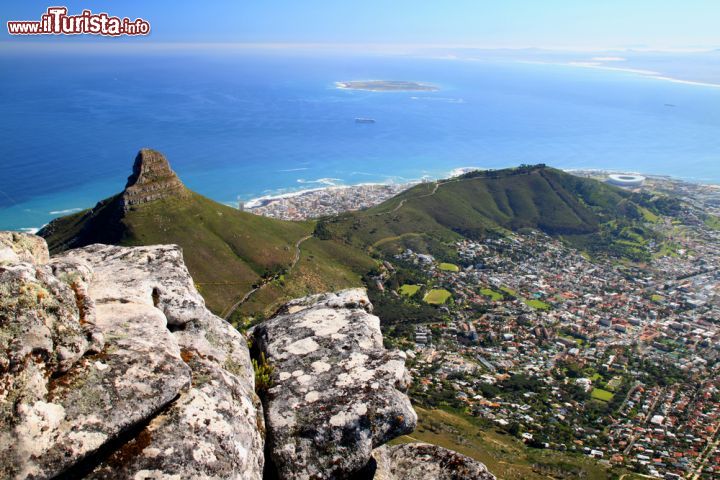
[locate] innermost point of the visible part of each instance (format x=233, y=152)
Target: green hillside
x=504, y=455
x=491, y=202
x=228, y=252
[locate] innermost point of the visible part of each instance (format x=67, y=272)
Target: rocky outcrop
x=152, y=179
x=45, y=341
x=422, y=461
x=112, y=368
x=20, y=247
x=337, y=392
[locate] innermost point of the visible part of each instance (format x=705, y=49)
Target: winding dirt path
x=437, y=185
x=297, y=251
x=232, y=308
x=402, y=202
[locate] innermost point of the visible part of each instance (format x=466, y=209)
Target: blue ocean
x=244, y=124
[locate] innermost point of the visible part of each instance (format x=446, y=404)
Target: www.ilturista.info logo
x=57, y=22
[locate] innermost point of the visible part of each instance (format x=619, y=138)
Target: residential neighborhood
x=605, y=358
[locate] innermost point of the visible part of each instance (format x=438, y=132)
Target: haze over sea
x=244, y=124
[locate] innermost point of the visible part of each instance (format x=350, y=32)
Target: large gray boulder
x=214, y=428
x=336, y=392
x=423, y=461
x=112, y=367
x=53, y=397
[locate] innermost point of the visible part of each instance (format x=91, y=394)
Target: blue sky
x=486, y=23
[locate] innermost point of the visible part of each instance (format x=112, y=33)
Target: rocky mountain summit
x=112, y=367
x=227, y=250
x=151, y=179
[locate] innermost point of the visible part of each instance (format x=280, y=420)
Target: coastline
x=262, y=201
x=635, y=71
x=265, y=199
x=322, y=202
x=257, y=202
x=336, y=199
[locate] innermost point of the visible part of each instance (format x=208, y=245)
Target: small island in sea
x=387, y=86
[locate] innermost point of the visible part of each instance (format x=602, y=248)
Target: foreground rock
x=94, y=383
x=337, y=393
x=422, y=461
x=112, y=367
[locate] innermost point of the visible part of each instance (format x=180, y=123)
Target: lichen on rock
x=112, y=367
x=338, y=393
x=423, y=461
x=95, y=384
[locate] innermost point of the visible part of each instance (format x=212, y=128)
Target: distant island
x=387, y=86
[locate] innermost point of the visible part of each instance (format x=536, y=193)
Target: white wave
x=280, y=194
x=609, y=59
x=293, y=169
x=32, y=230
x=66, y=211
x=259, y=201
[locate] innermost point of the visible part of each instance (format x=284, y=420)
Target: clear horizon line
x=36, y=44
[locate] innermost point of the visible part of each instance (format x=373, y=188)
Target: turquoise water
x=243, y=125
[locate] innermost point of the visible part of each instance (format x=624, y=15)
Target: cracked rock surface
x=422, y=461
x=94, y=383
x=337, y=392
x=111, y=367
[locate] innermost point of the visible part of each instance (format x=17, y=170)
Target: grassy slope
x=66, y=232
x=226, y=251
x=473, y=206
x=505, y=456
x=324, y=265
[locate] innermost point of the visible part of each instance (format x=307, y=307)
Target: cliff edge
x=151, y=179
x=112, y=367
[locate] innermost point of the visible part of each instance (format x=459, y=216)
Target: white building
x=626, y=180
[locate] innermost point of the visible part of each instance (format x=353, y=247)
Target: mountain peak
x=151, y=179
